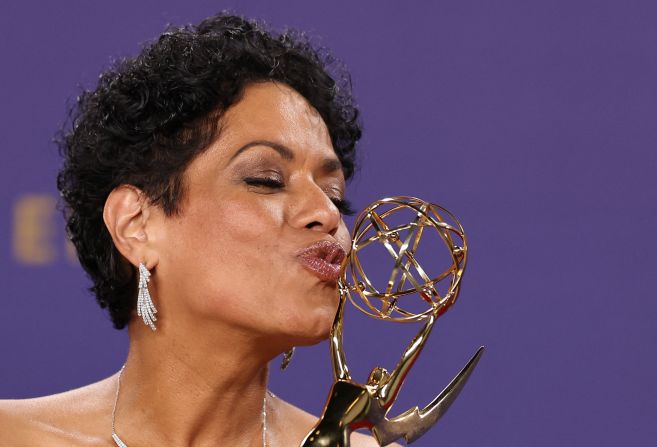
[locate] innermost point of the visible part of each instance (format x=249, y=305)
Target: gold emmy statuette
x=417, y=289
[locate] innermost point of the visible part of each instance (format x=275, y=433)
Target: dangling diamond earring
x=287, y=358
x=145, y=307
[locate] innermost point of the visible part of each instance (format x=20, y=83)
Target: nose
x=312, y=209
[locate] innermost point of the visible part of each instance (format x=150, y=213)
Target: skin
x=230, y=292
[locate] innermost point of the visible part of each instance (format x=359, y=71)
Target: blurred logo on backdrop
x=37, y=238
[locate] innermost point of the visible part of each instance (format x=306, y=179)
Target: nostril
x=313, y=224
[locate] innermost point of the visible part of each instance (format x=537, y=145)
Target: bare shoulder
x=295, y=423
x=16, y=428
x=71, y=418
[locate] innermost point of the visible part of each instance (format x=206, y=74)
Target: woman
x=204, y=184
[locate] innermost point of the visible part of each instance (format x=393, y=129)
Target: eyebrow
x=283, y=151
x=328, y=165
x=331, y=165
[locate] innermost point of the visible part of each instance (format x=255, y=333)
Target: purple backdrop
x=533, y=121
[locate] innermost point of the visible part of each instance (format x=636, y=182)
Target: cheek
x=218, y=248
x=233, y=226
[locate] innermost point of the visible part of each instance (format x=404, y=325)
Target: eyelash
x=343, y=205
x=267, y=182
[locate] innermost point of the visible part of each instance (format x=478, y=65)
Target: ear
x=126, y=215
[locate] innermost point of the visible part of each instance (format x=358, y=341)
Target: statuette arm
x=340, y=370
x=388, y=392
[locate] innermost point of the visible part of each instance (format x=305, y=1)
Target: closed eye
x=343, y=205
x=266, y=182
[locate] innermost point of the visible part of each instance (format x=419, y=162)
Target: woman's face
x=264, y=192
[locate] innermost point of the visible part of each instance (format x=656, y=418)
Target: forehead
x=275, y=112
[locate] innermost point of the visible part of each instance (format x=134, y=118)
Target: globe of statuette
x=406, y=261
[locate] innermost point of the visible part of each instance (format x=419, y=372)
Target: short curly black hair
x=151, y=115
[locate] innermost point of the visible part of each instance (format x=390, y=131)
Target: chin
x=315, y=326
x=309, y=314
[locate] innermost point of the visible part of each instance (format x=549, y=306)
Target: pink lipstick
x=323, y=259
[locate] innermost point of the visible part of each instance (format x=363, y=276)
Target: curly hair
x=151, y=115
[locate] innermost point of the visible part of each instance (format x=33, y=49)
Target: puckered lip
x=323, y=259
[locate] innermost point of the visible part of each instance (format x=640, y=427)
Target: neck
x=184, y=391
